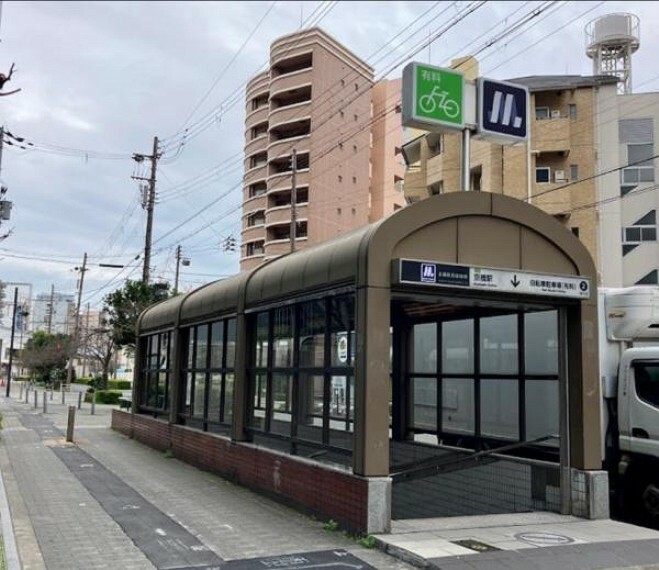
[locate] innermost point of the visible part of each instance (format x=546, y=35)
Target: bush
x=120, y=385
x=104, y=396
x=86, y=380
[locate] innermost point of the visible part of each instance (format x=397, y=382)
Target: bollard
x=61, y=387
x=79, y=400
x=93, y=403
x=21, y=396
x=71, y=423
x=27, y=395
x=36, y=404
x=45, y=403
x=51, y=394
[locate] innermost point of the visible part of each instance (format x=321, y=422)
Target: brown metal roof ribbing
x=212, y=299
x=333, y=261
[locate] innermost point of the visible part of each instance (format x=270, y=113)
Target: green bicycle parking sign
x=432, y=97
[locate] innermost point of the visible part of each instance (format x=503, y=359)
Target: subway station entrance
x=439, y=362
x=477, y=415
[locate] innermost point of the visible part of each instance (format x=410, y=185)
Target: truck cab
x=629, y=367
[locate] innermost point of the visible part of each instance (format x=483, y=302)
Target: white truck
x=629, y=369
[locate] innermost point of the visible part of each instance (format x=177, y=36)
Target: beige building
x=317, y=100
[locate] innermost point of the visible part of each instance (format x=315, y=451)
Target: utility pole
x=178, y=263
x=74, y=348
x=11, y=341
x=293, y=199
x=51, y=308
x=150, y=202
x=85, y=359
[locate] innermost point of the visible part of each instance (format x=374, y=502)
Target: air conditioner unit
x=559, y=176
x=555, y=114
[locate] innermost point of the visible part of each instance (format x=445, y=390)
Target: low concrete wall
x=325, y=491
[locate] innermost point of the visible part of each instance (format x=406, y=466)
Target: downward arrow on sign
x=514, y=281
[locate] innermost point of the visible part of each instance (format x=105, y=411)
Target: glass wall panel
x=312, y=333
x=217, y=344
x=424, y=404
x=338, y=406
x=261, y=340
x=191, y=345
x=499, y=345
x=282, y=333
x=458, y=347
x=189, y=382
x=541, y=342
x=424, y=348
x=199, y=392
x=163, y=357
x=342, y=331
x=458, y=406
x=500, y=409
x=228, y=397
x=310, y=407
x=542, y=412
x=231, y=343
x=282, y=404
x=260, y=387
x=202, y=346
x=214, y=394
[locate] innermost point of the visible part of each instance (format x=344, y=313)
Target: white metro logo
x=504, y=113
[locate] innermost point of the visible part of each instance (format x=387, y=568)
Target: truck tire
x=650, y=499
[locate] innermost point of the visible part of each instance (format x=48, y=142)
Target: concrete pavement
x=106, y=501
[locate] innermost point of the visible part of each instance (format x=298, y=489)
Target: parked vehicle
x=629, y=370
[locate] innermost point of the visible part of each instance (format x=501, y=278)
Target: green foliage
x=168, y=453
x=367, y=541
x=104, y=396
x=124, y=306
x=120, y=385
x=46, y=356
x=331, y=525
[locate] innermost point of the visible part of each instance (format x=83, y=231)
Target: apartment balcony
x=282, y=214
x=257, y=144
x=289, y=81
x=279, y=247
x=257, y=116
x=295, y=112
x=551, y=135
x=251, y=262
x=255, y=174
x=255, y=202
x=284, y=147
x=415, y=187
x=257, y=85
x=284, y=181
x=253, y=233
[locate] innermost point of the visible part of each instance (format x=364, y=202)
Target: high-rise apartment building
x=54, y=313
x=317, y=103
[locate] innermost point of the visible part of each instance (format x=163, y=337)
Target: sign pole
x=465, y=165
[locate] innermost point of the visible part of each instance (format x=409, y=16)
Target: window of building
x=302, y=373
x=542, y=113
x=256, y=219
x=254, y=248
x=542, y=174
x=354, y=148
x=257, y=189
x=341, y=114
x=649, y=279
x=644, y=229
x=354, y=180
x=260, y=101
x=575, y=231
x=340, y=178
x=259, y=130
x=640, y=156
x=340, y=146
x=156, y=373
x=572, y=110
x=574, y=172
x=356, y=86
x=356, y=117
x=626, y=188
x=258, y=160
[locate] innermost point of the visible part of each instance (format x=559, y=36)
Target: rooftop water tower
x=610, y=42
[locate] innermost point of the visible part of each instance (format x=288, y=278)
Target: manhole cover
x=543, y=538
x=475, y=545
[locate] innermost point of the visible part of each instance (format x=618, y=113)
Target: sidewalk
x=106, y=501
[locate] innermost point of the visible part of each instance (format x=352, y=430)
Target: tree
x=124, y=306
x=46, y=355
x=99, y=345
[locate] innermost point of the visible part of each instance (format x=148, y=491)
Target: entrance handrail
x=434, y=465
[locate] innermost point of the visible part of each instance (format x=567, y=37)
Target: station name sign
x=484, y=278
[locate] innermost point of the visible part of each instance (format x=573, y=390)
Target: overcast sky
x=104, y=78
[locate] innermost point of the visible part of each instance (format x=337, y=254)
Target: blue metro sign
x=503, y=111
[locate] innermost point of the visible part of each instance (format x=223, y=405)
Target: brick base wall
x=309, y=486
